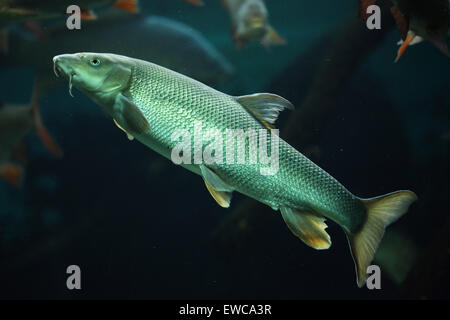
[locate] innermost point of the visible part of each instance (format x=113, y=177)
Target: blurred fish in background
x=165, y=41
x=27, y=10
x=250, y=22
x=370, y=125
x=16, y=121
x=422, y=20
x=418, y=20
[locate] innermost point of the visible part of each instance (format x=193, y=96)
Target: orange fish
x=195, y=2
x=419, y=20
x=16, y=121
x=21, y=11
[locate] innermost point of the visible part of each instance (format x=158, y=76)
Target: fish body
x=150, y=103
x=177, y=43
x=250, y=22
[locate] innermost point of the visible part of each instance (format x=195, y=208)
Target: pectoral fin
x=129, y=136
x=219, y=189
x=265, y=107
x=134, y=119
x=307, y=226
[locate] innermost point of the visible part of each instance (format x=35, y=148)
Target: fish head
x=99, y=75
x=251, y=22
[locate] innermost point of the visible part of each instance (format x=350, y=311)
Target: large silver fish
x=150, y=103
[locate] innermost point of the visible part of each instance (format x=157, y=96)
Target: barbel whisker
x=70, y=85
x=55, y=71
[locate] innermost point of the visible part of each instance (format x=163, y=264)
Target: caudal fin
x=196, y=2
x=12, y=173
x=41, y=130
x=381, y=212
x=127, y=5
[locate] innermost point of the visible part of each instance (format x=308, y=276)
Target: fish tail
x=12, y=173
x=196, y=2
x=127, y=5
x=381, y=212
x=41, y=130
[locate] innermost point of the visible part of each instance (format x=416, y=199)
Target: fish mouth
x=60, y=70
x=57, y=69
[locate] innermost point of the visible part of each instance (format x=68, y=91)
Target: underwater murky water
x=77, y=191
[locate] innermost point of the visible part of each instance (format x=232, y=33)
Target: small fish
x=195, y=2
x=16, y=121
x=419, y=20
x=30, y=10
x=150, y=102
x=250, y=22
x=423, y=20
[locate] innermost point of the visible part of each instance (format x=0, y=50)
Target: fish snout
x=64, y=64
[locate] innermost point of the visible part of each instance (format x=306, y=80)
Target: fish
x=196, y=2
x=177, y=43
x=16, y=121
x=250, y=22
x=12, y=11
x=150, y=103
x=419, y=20
x=428, y=20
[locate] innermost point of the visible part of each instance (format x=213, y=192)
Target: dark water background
x=141, y=227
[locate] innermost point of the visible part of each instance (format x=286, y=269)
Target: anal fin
x=307, y=226
x=219, y=189
x=223, y=198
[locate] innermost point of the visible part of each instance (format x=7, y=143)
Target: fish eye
x=95, y=62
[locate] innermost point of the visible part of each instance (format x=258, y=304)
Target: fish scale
x=299, y=183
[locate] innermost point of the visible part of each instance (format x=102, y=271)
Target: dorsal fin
x=265, y=107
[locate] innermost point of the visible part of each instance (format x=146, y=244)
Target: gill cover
x=117, y=79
